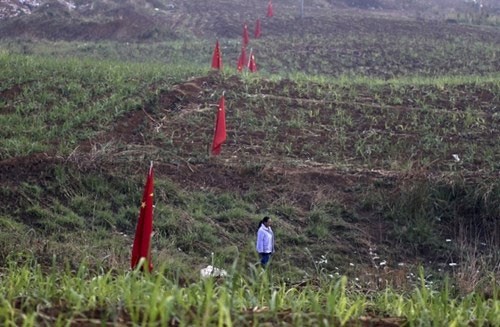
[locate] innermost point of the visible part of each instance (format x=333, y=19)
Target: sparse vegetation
x=371, y=139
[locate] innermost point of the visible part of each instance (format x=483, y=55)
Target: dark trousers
x=264, y=258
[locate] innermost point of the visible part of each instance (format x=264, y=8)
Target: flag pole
x=250, y=57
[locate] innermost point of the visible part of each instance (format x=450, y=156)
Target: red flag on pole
x=144, y=229
x=220, y=128
x=245, y=35
x=270, y=12
x=242, y=59
x=252, y=66
x=257, y=29
x=217, y=57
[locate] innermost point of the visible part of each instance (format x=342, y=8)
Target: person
x=265, y=241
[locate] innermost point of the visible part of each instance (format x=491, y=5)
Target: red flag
x=252, y=66
x=220, y=128
x=270, y=12
x=217, y=57
x=257, y=29
x=242, y=59
x=144, y=229
x=245, y=35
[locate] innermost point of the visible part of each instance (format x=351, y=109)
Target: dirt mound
x=155, y=21
x=55, y=21
x=13, y=8
x=364, y=4
x=34, y=168
x=181, y=99
x=186, y=95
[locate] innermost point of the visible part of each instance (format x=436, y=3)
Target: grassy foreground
x=33, y=297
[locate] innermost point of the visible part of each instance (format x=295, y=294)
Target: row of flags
x=141, y=248
x=242, y=62
x=256, y=34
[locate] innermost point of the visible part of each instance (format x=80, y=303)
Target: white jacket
x=265, y=240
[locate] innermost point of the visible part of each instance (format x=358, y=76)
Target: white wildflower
x=211, y=271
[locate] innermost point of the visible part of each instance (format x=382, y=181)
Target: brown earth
x=222, y=19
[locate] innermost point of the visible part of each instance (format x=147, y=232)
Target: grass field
x=33, y=297
x=370, y=138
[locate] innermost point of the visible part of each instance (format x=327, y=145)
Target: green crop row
x=32, y=297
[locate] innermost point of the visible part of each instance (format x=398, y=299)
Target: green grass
x=344, y=139
x=31, y=296
x=56, y=97
x=60, y=103
x=399, y=125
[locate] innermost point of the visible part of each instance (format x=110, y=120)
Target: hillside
x=369, y=134
x=370, y=137
x=155, y=20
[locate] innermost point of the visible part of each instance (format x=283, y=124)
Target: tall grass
x=31, y=296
